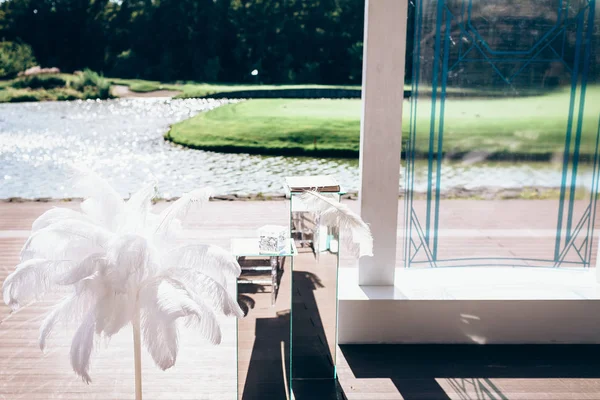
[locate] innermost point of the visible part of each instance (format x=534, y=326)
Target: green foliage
x=39, y=82
x=67, y=94
x=14, y=58
x=86, y=78
x=91, y=84
x=11, y=95
x=87, y=85
x=288, y=41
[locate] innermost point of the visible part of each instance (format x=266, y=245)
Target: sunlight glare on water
x=122, y=140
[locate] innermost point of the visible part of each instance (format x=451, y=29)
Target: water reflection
x=123, y=141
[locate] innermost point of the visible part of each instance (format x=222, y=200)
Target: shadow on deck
x=421, y=372
x=377, y=372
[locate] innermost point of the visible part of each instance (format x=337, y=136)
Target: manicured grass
x=524, y=125
x=275, y=127
x=505, y=127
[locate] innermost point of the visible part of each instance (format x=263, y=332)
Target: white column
x=381, y=133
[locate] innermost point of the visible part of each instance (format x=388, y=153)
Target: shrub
x=67, y=94
x=91, y=84
x=14, y=58
x=22, y=95
x=23, y=98
x=86, y=78
x=40, y=82
x=103, y=88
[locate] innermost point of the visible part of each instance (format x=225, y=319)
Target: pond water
x=122, y=140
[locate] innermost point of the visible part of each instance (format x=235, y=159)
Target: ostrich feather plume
x=119, y=258
x=355, y=233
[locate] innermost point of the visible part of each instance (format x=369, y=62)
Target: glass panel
x=264, y=293
x=503, y=134
x=314, y=299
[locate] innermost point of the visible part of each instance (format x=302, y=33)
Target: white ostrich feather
x=213, y=293
x=57, y=214
x=354, y=232
x=65, y=239
x=82, y=345
x=72, y=308
x=123, y=260
x=109, y=322
x=163, y=302
x=136, y=209
x=181, y=207
x=103, y=204
x=127, y=257
x=209, y=260
x=30, y=280
x=58, y=313
x=90, y=265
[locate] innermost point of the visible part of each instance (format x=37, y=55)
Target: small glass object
x=272, y=239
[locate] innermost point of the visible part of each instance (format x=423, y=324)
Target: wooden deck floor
x=207, y=372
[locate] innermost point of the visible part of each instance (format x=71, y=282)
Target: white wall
x=472, y=305
x=469, y=321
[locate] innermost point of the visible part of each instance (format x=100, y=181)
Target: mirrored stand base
x=263, y=335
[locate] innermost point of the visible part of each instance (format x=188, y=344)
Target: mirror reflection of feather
x=354, y=232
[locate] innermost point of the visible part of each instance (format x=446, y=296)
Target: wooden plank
x=207, y=372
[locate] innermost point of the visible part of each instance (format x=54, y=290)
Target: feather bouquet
x=355, y=233
x=125, y=264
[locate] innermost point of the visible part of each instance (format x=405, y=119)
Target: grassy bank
x=11, y=91
x=54, y=87
x=275, y=127
x=525, y=127
x=199, y=89
x=192, y=89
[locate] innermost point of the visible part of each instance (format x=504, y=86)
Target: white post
x=137, y=350
x=381, y=133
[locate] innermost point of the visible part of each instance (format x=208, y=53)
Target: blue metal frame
x=423, y=239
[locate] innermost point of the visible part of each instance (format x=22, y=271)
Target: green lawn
x=525, y=126
x=275, y=127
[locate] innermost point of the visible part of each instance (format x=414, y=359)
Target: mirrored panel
x=314, y=296
x=263, y=336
